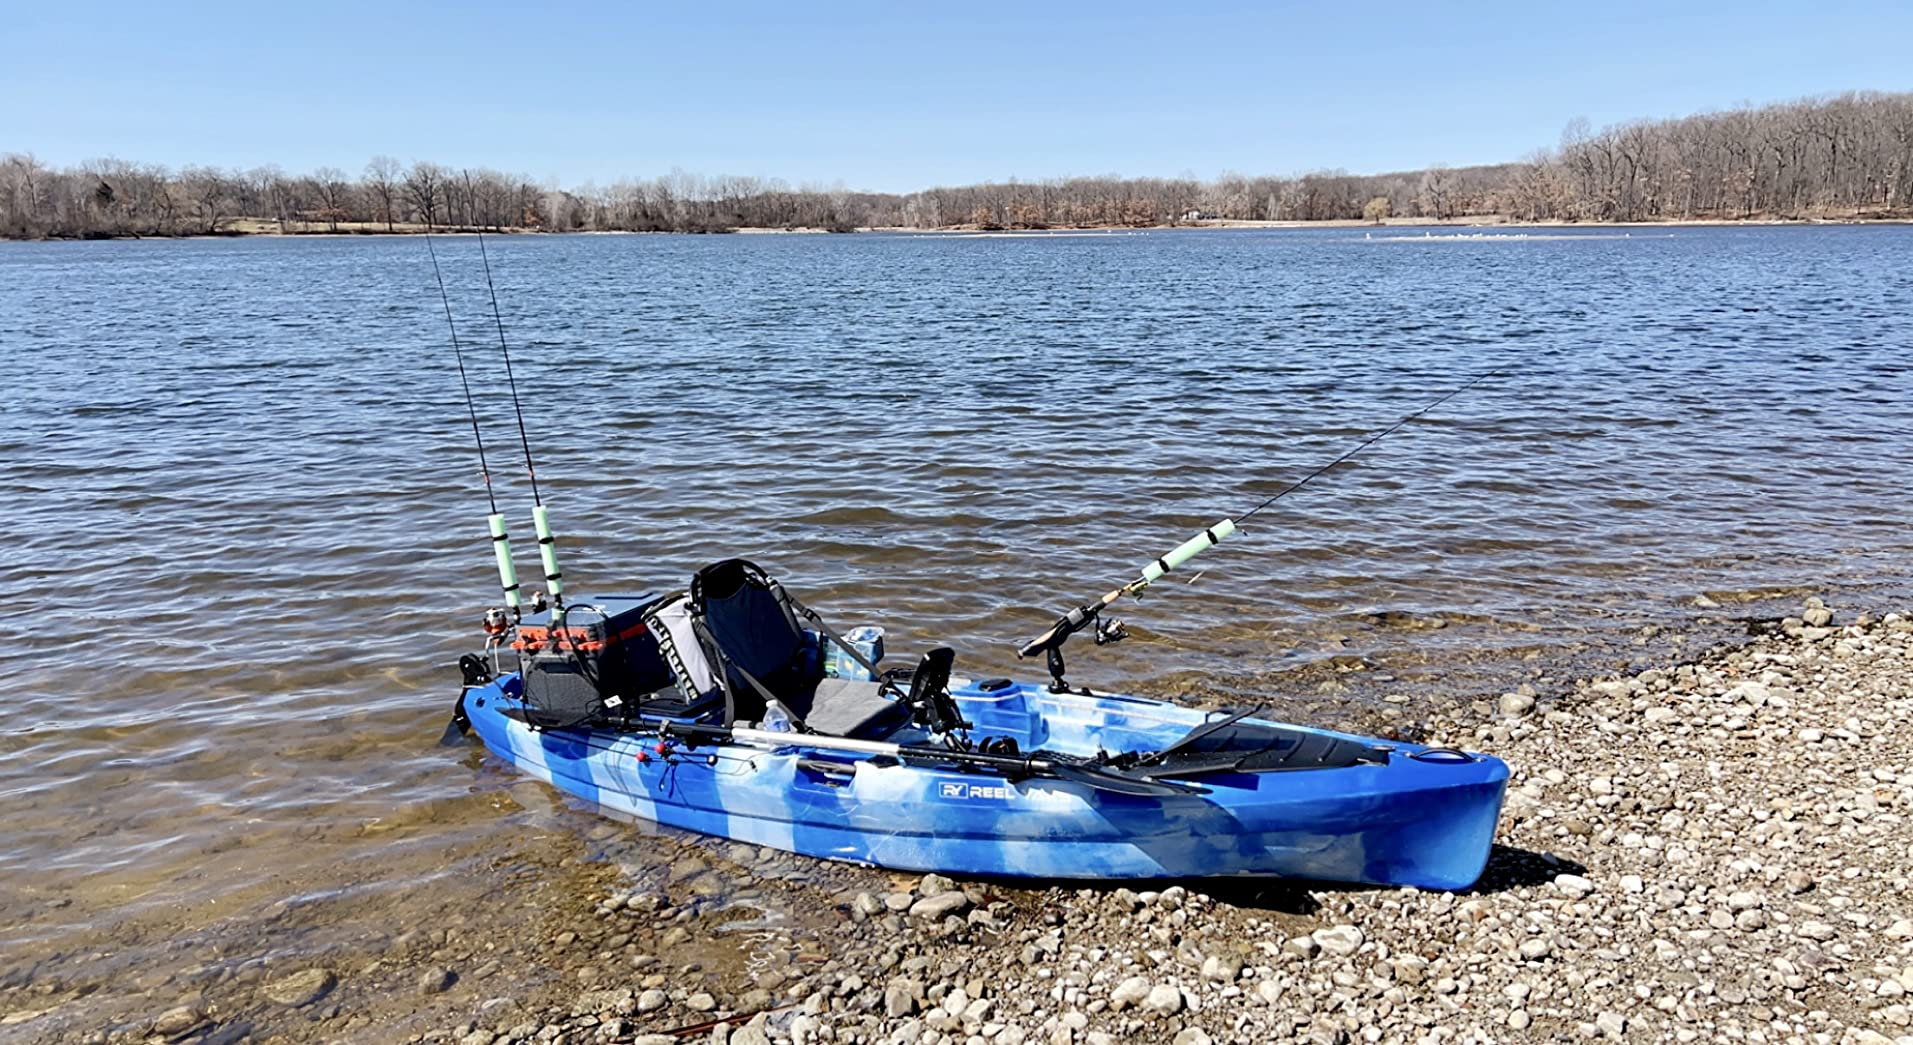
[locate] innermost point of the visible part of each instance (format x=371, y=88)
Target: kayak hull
x=1420, y=818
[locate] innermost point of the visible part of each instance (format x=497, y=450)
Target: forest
x=1840, y=157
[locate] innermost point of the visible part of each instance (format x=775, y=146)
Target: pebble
x=1192, y=1036
x=702, y=1001
x=436, y=980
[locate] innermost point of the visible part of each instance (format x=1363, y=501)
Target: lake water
x=245, y=538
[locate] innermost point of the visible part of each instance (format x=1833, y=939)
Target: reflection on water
x=248, y=525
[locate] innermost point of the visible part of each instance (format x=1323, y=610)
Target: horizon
x=876, y=100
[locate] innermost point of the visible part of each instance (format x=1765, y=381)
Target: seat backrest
x=749, y=620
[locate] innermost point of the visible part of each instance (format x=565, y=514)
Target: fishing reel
x=497, y=623
x=1109, y=632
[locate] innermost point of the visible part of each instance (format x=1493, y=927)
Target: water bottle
x=775, y=721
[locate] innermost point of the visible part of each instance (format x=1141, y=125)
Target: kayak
x=731, y=709
x=1249, y=798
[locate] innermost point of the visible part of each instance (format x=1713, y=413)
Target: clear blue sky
x=901, y=95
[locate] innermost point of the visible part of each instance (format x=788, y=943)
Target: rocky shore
x=1708, y=851
x=1702, y=852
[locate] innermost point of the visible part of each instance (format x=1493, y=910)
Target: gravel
x=1697, y=852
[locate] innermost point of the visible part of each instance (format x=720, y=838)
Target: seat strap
x=828, y=631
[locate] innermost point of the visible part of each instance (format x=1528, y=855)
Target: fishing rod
x=501, y=541
x=540, y=517
x=1106, y=632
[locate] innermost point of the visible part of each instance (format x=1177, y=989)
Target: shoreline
x=1698, y=849
x=1467, y=222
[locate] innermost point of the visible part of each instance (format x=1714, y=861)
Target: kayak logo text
x=954, y=789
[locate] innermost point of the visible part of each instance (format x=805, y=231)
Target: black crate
x=603, y=660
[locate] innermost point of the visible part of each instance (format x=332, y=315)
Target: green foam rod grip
x=1187, y=550
x=548, y=551
x=501, y=547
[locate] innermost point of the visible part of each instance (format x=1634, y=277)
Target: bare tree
x=423, y=184
x=331, y=191
x=382, y=182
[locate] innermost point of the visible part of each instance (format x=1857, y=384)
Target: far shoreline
x=259, y=228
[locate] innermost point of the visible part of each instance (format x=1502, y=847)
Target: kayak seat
x=850, y=707
x=750, y=631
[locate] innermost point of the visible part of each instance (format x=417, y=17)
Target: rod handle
x=501, y=549
x=548, y=552
x=1187, y=550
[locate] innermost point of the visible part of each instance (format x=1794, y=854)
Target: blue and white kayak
x=1308, y=804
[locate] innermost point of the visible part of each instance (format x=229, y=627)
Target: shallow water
x=246, y=536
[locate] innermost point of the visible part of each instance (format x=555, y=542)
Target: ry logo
x=959, y=790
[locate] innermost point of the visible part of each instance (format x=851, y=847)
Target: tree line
x=1841, y=156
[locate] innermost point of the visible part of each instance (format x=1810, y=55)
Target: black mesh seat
x=750, y=629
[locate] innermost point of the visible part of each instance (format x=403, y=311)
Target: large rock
x=1131, y=991
x=752, y=1033
x=1573, y=886
x=301, y=988
x=940, y=906
x=1163, y=1000
x=1820, y=931
x=1340, y=940
x=1515, y=705
x=1220, y=968
x=436, y=980
x=178, y=1020
x=935, y=885
x=900, y=997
